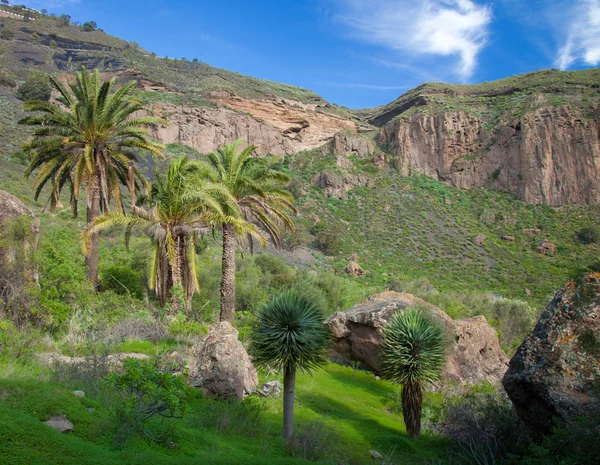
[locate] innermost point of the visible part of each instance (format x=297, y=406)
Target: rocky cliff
x=550, y=156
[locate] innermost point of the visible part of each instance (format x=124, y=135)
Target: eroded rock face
x=474, y=355
x=12, y=208
x=276, y=126
x=220, y=365
x=551, y=155
x=338, y=185
x=553, y=373
x=354, y=269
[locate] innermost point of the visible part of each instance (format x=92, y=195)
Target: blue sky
x=357, y=53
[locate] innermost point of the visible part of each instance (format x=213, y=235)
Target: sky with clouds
x=357, y=53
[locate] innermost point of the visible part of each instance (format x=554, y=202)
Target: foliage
x=36, y=87
x=315, y=441
x=588, y=235
x=327, y=237
x=146, y=394
x=122, y=279
x=7, y=34
x=289, y=331
x=412, y=347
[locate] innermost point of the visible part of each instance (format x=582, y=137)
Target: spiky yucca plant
x=412, y=353
x=89, y=137
x=289, y=335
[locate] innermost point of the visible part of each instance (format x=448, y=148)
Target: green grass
x=360, y=413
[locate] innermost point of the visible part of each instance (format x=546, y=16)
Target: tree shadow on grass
x=382, y=437
x=364, y=381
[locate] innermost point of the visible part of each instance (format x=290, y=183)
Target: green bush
x=149, y=399
x=7, y=34
x=37, y=87
x=327, y=237
x=250, y=287
x=182, y=326
x=588, y=235
x=122, y=280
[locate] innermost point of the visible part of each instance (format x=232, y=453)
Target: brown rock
x=546, y=248
x=531, y=231
x=10, y=209
x=348, y=143
x=528, y=292
x=354, y=269
x=220, y=365
x=479, y=239
x=455, y=147
x=553, y=373
x=474, y=356
x=338, y=185
x=508, y=238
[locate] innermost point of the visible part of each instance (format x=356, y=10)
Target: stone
x=508, y=238
x=11, y=208
x=271, y=389
x=354, y=269
x=547, y=248
x=220, y=365
x=531, y=231
x=79, y=393
x=338, y=185
x=479, y=239
x=552, y=375
x=528, y=292
x=60, y=423
x=474, y=356
x=353, y=258
x=375, y=455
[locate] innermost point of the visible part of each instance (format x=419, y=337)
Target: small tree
x=289, y=335
x=412, y=353
x=7, y=34
x=36, y=88
x=90, y=26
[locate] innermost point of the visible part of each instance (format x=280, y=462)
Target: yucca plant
x=289, y=335
x=412, y=354
x=88, y=137
x=261, y=199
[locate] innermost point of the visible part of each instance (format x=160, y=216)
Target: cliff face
x=276, y=126
x=550, y=155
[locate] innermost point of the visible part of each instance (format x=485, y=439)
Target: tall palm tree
x=89, y=136
x=289, y=335
x=412, y=353
x=182, y=204
x=260, y=196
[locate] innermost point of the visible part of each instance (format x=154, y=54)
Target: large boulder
x=554, y=372
x=220, y=365
x=473, y=356
x=12, y=209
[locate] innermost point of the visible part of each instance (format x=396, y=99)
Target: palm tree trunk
x=93, y=210
x=412, y=404
x=289, y=391
x=228, y=275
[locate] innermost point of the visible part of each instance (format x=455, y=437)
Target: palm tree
x=260, y=196
x=289, y=335
x=412, y=353
x=182, y=203
x=88, y=137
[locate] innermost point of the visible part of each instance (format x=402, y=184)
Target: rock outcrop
x=354, y=269
x=550, y=155
x=60, y=423
x=11, y=208
x=220, y=365
x=276, y=126
x=474, y=355
x=554, y=372
x=338, y=185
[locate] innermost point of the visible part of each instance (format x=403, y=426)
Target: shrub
x=146, y=393
x=6, y=80
x=37, y=87
x=587, y=235
x=182, y=326
x=232, y=415
x=7, y=34
x=314, y=441
x=250, y=287
x=300, y=237
x=327, y=238
x=122, y=279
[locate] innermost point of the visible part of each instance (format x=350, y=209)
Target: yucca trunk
x=412, y=404
x=289, y=393
x=228, y=273
x=93, y=211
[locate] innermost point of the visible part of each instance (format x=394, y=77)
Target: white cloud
x=583, y=40
x=448, y=28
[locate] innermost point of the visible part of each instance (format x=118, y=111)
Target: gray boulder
x=60, y=423
x=474, y=354
x=220, y=365
x=553, y=374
